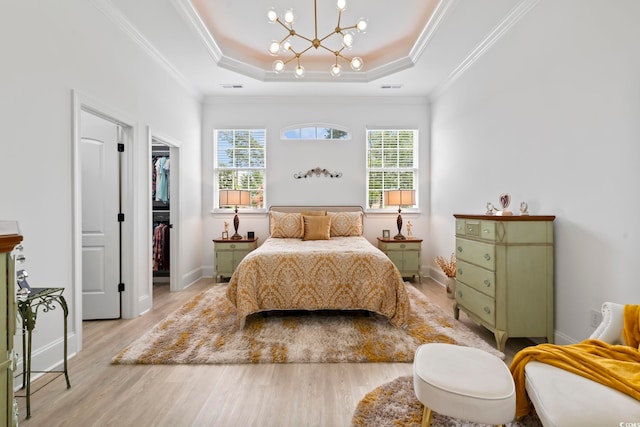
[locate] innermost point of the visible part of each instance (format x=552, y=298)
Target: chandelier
x=346, y=33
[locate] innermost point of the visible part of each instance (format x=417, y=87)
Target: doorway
x=165, y=202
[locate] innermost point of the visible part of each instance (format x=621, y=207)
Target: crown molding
x=430, y=29
x=116, y=16
x=518, y=12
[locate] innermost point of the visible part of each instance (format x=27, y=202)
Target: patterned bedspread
x=343, y=273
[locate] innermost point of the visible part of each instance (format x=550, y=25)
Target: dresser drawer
x=477, y=303
x=478, y=253
x=485, y=230
x=476, y=277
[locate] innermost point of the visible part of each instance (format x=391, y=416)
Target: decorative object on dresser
x=205, y=331
x=505, y=201
x=504, y=276
x=400, y=197
x=229, y=253
x=10, y=249
x=235, y=198
x=406, y=255
x=448, y=267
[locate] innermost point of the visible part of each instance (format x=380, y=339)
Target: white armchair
x=564, y=399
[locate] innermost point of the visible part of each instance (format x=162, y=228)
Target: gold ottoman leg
x=426, y=417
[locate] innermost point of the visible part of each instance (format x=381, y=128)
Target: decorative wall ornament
x=317, y=171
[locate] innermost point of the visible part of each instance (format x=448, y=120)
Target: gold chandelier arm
x=285, y=26
x=303, y=37
x=315, y=19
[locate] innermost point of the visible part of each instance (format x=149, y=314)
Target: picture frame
x=225, y=235
x=386, y=234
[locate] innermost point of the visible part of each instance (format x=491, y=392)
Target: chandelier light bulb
x=356, y=63
x=272, y=15
x=347, y=40
x=278, y=66
x=274, y=47
x=299, y=72
x=362, y=25
x=288, y=16
x=341, y=4
x=336, y=70
x=286, y=45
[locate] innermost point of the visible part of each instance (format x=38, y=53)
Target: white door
x=100, y=182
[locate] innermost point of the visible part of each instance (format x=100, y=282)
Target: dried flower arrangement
x=448, y=267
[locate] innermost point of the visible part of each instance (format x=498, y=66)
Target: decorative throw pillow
x=317, y=227
x=344, y=224
x=286, y=225
x=314, y=213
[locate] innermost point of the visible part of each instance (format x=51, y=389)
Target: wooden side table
x=405, y=254
x=45, y=299
x=228, y=253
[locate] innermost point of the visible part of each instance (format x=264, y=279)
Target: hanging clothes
x=161, y=247
x=161, y=166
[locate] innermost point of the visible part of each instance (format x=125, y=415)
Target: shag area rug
x=205, y=331
x=394, y=404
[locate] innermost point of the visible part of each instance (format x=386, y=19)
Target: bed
x=317, y=259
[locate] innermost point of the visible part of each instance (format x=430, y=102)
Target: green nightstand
x=405, y=254
x=228, y=254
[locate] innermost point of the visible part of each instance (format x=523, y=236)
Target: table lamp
x=235, y=198
x=400, y=198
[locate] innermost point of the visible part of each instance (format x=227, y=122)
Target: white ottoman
x=463, y=382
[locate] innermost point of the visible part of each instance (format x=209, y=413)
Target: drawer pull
x=487, y=257
x=233, y=246
x=487, y=310
x=486, y=231
x=459, y=248
x=487, y=283
x=403, y=246
x=459, y=271
x=459, y=293
x=469, y=229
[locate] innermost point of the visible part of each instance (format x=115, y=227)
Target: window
x=315, y=132
x=239, y=163
x=392, y=163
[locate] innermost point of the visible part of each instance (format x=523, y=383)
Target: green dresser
x=405, y=254
x=504, y=274
x=9, y=238
x=228, y=254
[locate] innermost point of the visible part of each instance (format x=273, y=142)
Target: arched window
x=315, y=132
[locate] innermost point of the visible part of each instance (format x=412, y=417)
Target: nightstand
x=228, y=254
x=405, y=254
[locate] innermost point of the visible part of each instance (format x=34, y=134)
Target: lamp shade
x=400, y=197
x=235, y=198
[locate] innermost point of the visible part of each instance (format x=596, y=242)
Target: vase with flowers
x=448, y=267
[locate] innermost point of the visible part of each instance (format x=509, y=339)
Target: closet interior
x=160, y=199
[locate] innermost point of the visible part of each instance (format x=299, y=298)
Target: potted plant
x=448, y=267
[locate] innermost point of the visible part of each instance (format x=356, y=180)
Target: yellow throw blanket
x=616, y=366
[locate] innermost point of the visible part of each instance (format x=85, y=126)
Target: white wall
x=551, y=114
x=286, y=158
x=51, y=49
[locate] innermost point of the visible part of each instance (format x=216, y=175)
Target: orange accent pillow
x=316, y=227
x=314, y=213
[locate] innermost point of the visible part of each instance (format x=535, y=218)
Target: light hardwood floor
x=279, y=395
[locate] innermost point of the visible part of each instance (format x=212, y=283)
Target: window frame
x=217, y=169
x=414, y=169
x=301, y=126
